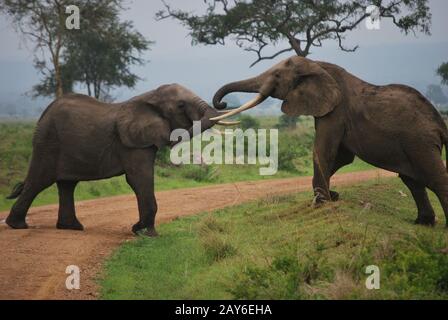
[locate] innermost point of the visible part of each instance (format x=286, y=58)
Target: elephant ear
x=141, y=125
x=316, y=93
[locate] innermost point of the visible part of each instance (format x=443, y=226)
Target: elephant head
x=303, y=85
x=149, y=119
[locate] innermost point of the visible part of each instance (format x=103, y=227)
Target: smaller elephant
x=79, y=138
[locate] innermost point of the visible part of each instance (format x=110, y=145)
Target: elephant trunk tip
x=217, y=99
x=220, y=105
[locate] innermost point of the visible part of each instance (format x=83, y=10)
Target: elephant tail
x=18, y=189
x=445, y=142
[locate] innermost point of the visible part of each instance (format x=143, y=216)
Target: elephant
x=79, y=138
x=393, y=127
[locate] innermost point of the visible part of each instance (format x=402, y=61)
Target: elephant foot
x=139, y=229
x=334, y=196
x=152, y=233
x=76, y=225
x=320, y=197
x=319, y=201
x=428, y=220
x=16, y=224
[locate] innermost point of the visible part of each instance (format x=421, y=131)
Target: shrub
x=94, y=191
x=283, y=278
x=248, y=122
x=200, y=173
x=217, y=248
x=292, y=148
x=287, y=122
x=419, y=268
x=213, y=239
x=163, y=157
x=163, y=172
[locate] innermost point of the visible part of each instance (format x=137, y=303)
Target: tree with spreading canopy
x=43, y=23
x=100, y=60
x=258, y=25
x=98, y=55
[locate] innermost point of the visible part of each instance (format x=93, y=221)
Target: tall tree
x=442, y=71
x=257, y=25
x=100, y=60
x=42, y=22
x=101, y=41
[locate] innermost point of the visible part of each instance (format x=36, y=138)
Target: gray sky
x=384, y=56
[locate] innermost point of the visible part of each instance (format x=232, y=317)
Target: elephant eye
x=181, y=104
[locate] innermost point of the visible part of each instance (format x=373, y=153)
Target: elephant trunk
x=206, y=112
x=250, y=85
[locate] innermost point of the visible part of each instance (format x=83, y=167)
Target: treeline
x=78, y=44
x=84, y=44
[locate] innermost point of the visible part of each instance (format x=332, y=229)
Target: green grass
x=281, y=248
x=295, y=157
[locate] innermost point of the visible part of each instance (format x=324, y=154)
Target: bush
x=94, y=191
x=200, y=173
x=248, y=122
x=213, y=239
x=163, y=157
x=294, y=152
x=282, y=278
x=287, y=122
x=419, y=270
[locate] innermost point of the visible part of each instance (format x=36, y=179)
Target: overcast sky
x=384, y=56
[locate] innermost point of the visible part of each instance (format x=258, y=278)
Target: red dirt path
x=33, y=261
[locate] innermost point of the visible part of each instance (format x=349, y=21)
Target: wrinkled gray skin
x=392, y=127
x=79, y=139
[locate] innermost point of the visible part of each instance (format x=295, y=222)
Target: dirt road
x=33, y=261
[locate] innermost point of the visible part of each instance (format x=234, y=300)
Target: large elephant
x=392, y=127
x=79, y=138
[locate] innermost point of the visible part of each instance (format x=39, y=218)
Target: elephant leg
x=67, y=216
x=39, y=178
x=439, y=185
x=326, y=146
x=431, y=171
x=344, y=157
x=442, y=194
x=17, y=216
x=139, y=168
x=426, y=215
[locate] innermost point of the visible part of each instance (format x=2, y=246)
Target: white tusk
x=228, y=123
x=253, y=103
x=220, y=132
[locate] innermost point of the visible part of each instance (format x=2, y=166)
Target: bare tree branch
x=260, y=58
x=259, y=25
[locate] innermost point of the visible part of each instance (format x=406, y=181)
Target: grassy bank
x=294, y=160
x=280, y=248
